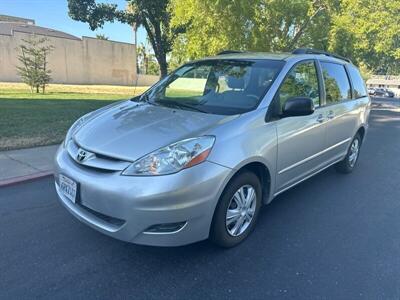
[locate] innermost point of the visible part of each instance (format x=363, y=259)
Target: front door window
x=302, y=81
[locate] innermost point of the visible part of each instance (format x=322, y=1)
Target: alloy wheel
x=241, y=210
x=354, y=150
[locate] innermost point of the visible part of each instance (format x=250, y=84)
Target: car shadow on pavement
x=269, y=234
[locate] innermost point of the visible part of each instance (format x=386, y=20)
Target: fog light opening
x=165, y=228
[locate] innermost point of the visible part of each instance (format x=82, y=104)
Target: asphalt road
x=332, y=237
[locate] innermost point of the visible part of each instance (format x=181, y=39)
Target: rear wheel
x=237, y=210
x=349, y=162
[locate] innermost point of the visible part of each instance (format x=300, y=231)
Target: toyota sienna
x=199, y=153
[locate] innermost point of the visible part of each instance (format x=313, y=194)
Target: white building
x=385, y=81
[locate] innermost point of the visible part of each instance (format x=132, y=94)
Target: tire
x=348, y=164
x=223, y=232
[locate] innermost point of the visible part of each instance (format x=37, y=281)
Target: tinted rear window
x=358, y=82
x=337, y=84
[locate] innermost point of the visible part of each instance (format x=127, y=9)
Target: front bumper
x=125, y=207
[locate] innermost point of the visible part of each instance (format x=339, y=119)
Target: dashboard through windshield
x=222, y=86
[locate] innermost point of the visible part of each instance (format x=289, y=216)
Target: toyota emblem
x=81, y=155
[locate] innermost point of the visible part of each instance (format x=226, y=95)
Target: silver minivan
x=199, y=153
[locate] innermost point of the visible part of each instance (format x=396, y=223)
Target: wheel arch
x=262, y=172
x=361, y=131
x=257, y=167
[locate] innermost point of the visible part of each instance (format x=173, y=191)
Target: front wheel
x=349, y=162
x=237, y=210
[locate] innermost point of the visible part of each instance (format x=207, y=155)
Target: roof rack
x=229, y=52
x=314, y=51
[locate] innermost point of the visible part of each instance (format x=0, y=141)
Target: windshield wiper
x=144, y=98
x=178, y=104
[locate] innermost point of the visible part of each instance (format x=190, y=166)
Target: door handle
x=320, y=118
x=331, y=115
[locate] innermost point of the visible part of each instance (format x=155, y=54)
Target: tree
x=367, y=35
x=101, y=36
x=33, y=58
x=143, y=59
x=147, y=64
x=366, y=31
x=259, y=25
x=153, y=15
x=153, y=68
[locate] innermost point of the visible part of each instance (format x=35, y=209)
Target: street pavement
x=333, y=236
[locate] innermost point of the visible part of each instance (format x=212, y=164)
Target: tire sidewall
x=218, y=232
x=349, y=167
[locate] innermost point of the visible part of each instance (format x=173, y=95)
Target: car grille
x=95, y=160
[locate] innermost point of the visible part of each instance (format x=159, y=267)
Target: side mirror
x=298, y=106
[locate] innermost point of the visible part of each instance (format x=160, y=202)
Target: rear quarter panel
x=365, y=110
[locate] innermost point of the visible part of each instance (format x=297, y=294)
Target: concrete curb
x=26, y=178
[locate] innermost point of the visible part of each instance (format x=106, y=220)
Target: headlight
x=75, y=127
x=173, y=158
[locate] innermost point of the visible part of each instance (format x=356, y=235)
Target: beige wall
x=86, y=61
x=146, y=80
x=5, y=18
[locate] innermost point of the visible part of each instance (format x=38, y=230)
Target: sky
x=54, y=14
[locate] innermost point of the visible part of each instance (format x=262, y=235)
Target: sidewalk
x=26, y=164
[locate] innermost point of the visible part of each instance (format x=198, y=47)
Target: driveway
x=332, y=237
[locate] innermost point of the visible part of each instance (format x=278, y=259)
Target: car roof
x=285, y=56
x=251, y=55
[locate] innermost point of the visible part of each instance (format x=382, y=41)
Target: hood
x=130, y=130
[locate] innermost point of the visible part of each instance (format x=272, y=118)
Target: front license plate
x=68, y=188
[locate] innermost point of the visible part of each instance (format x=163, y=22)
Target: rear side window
x=337, y=84
x=358, y=82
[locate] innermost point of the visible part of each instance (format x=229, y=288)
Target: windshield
x=223, y=86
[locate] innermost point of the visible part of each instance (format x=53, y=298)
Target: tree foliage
x=33, y=57
x=101, y=36
x=259, y=25
x=153, y=15
x=368, y=31
x=146, y=61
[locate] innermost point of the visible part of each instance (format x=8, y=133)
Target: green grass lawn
x=29, y=120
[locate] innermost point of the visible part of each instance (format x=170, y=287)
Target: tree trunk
x=134, y=28
x=158, y=49
x=146, y=64
x=37, y=89
x=162, y=62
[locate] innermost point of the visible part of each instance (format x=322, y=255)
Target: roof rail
x=314, y=51
x=229, y=52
